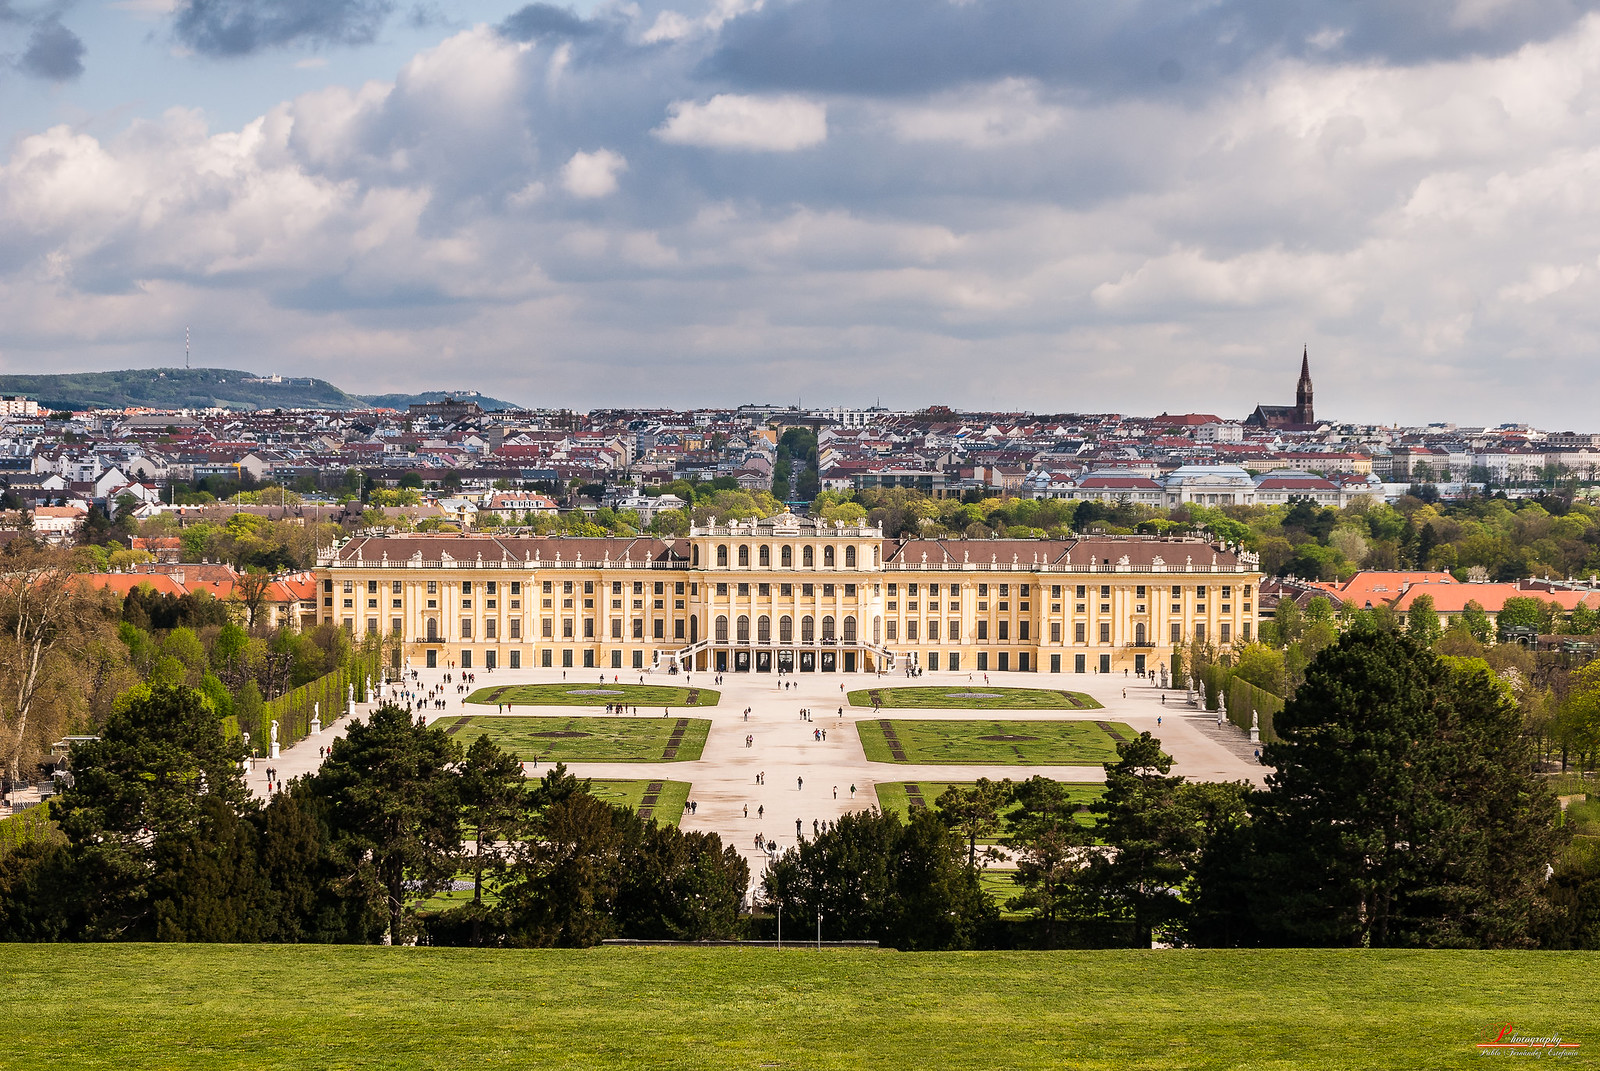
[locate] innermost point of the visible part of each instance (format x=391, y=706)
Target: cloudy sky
x=1138, y=206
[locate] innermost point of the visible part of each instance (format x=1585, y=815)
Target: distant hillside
x=177, y=388
x=400, y=401
x=201, y=388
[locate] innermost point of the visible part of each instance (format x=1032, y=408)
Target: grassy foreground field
x=581, y=739
x=972, y=697
x=293, y=1007
x=595, y=693
x=992, y=743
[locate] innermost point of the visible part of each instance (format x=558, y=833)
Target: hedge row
x=327, y=696
x=1244, y=698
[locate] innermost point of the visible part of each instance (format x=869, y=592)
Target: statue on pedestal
x=274, y=745
x=1255, y=728
x=316, y=719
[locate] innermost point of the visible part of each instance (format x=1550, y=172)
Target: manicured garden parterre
x=972, y=697
x=304, y=1007
x=585, y=739
x=595, y=693
x=899, y=797
x=992, y=743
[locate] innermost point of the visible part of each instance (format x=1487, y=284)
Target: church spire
x=1304, y=415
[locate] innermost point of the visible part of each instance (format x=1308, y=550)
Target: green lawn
x=295, y=1007
x=896, y=796
x=668, y=806
x=583, y=739
x=593, y=693
x=997, y=883
x=973, y=697
x=992, y=743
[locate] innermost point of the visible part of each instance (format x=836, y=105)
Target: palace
x=790, y=594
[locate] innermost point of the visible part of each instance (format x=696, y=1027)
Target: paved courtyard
x=803, y=774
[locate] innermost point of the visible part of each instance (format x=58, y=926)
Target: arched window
x=722, y=556
x=808, y=629
x=849, y=557
x=1138, y=633
x=786, y=556
x=694, y=555
x=743, y=628
x=433, y=630
x=877, y=630
x=694, y=630
x=827, y=557
x=722, y=628
x=849, y=630
x=765, y=556
x=875, y=555
x=744, y=555
x=827, y=627
x=785, y=629
x=763, y=629
x=806, y=558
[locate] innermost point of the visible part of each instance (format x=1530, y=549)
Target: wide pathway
x=808, y=781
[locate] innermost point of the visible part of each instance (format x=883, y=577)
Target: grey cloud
x=54, y=52
x=547, y=20
x=242, y=27
x=1140, y=46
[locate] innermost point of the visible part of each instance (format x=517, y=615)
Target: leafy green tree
x=874, y=877
x=1422, y=620
x=394, y=806
x=1476, y=621
x=1525, y=611
x=680, y=886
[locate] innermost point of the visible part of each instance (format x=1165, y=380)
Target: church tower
x=1303, y=413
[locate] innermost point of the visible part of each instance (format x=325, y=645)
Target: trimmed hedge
x=1244, y=698
x=327, y=694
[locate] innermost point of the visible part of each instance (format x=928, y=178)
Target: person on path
x=798, y=831
x=799, y=784
x=761, y=810
x=747, y=810
x=835, y=791
x=852, y=791
x=1158, y=721
x=816, y=827
x=824, y=735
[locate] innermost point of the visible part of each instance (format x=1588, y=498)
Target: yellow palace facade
x=790, y=594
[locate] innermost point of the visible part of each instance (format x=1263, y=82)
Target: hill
x=176, y=388
x=261, y=1006
x=400, y=401
x=201, y=388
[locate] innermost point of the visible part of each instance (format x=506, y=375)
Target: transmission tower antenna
x=186, y=347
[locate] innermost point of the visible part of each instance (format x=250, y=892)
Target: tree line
x=162, y=841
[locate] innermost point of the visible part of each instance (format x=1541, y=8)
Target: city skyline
x=712, y=203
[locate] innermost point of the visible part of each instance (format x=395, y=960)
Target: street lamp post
x=780, y=924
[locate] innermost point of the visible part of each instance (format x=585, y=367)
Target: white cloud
x=731, y=121
x=593, y=174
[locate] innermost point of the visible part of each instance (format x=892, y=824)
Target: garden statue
x=274, y=752
x=316, y=719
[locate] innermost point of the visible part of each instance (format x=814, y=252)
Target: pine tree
x=1402, y=811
